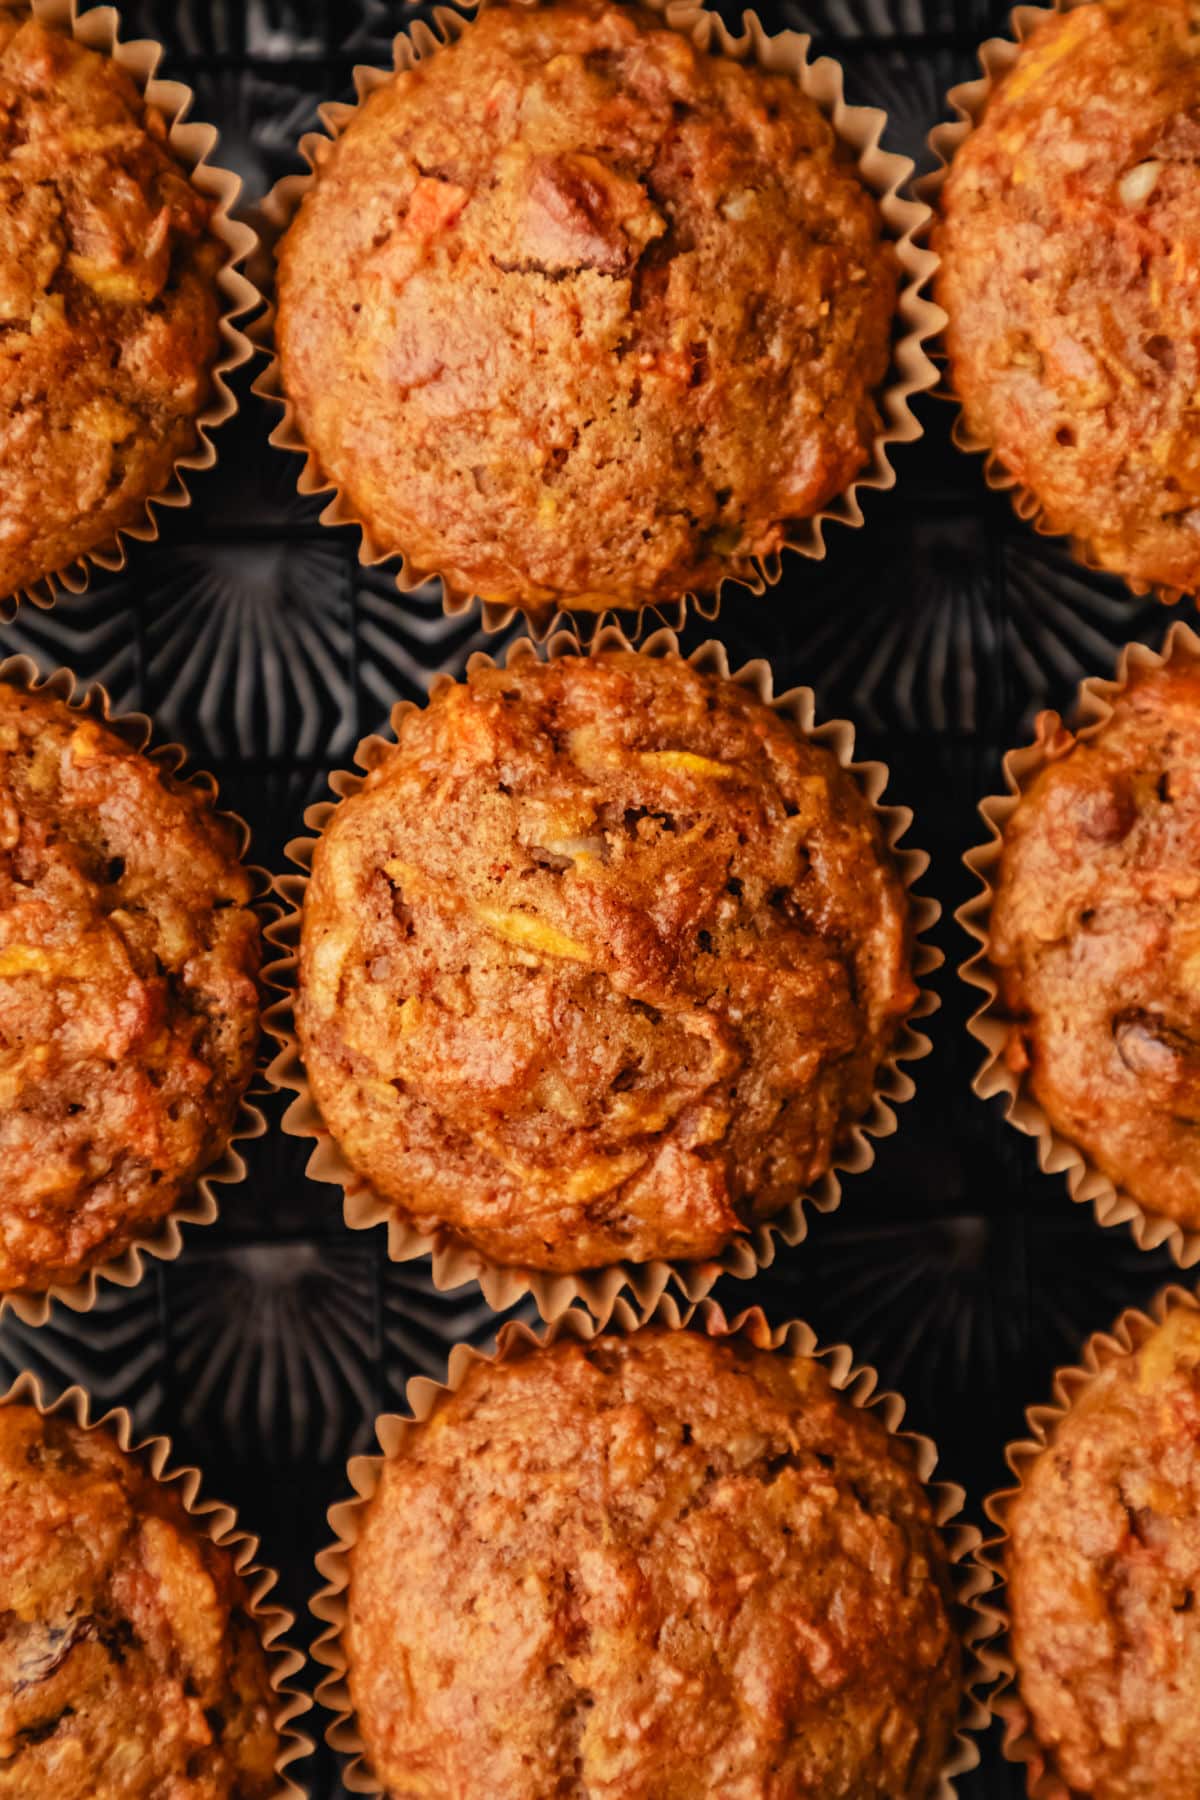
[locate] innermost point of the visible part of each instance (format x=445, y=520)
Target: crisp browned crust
x=128, y=999
x=1070, y=245
x=601, y=962
x=663, y=1566
x=1096, y=934
x=1103, y=1573
x=129, y=1664
x=574, y=311
x=108, y=305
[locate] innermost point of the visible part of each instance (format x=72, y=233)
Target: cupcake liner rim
x=999, y=1682
x=192, y=144
x=454, y=1261
x=989, y=1024
x=219, y=1523
x=163, y=1239
x=967, y=100
x=856, y=1382
x=917, y=320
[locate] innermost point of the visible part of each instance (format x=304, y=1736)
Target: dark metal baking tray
x=251, y=633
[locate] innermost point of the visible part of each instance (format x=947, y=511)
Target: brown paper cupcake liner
x=455, y=1261
x=968, y=101
x=990, y=1023
x=214, y=1521
x=998, y=1671
x=192, y=144
x=860, y=128
x=162, y=1239
x=856, y=1382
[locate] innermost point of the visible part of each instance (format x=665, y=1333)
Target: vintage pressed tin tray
x=251, y=633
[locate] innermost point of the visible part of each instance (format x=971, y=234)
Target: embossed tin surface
x=251, y=634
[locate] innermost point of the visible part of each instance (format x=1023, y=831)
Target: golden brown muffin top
x=1096, y=934
x=600, y=962
x=651, y=1568
x=574, y=311
x=128, y=998
x=129, y=1665
x=1103, y=1574
x=108, y=309
x=1070, y=239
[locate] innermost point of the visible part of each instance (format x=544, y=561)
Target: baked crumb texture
x=662, y=1567
x=129, y=955
x=600, y=963
x=129, y=1664
x=108, y=303
x=1103, y=1572
x=1095, y=936
x=574, y=312
x=1070, y=246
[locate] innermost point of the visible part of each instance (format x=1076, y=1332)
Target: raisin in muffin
x=129, y=1006
x=574, y=312
x=1103, y=1571
x=668, y=1566
x=1070, y=270
x=130, y=1666
x=600, y=962
x=1095, y=939
x=109, y=313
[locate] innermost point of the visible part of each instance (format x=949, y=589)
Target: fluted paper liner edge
x=218, y=1523
x=455, y=1262
x=998, y=1671
x=967, y=101
x=857, y=1383
x=916, y=322
x=192, y=145
x=163, y=1240
x=990, y=1025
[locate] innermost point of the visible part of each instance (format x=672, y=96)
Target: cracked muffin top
x=108, y=305
x=129, y=1664
x=662, y=1566
x=1103, y=1572
x=574, y=312
x=600, y=962
x=1095, y=934
x=1070, y=247
x=128, y=990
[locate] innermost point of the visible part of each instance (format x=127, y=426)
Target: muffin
x=108, y=302
x=667, y=1566
x=600, y=962
x=576, y=313
x=1095, y=939
x=1070, y=247
x=1103, y=1572
x=129, y=1005
x=130, y=1666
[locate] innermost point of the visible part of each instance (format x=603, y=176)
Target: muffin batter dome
x=1070, y=245
x=1103, y=1572
x=599, y=963
x=666, y=1567
x=108, y=305
x=1096, y=937
x=576, y=312
x=128, y=996
x=129, y=1664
